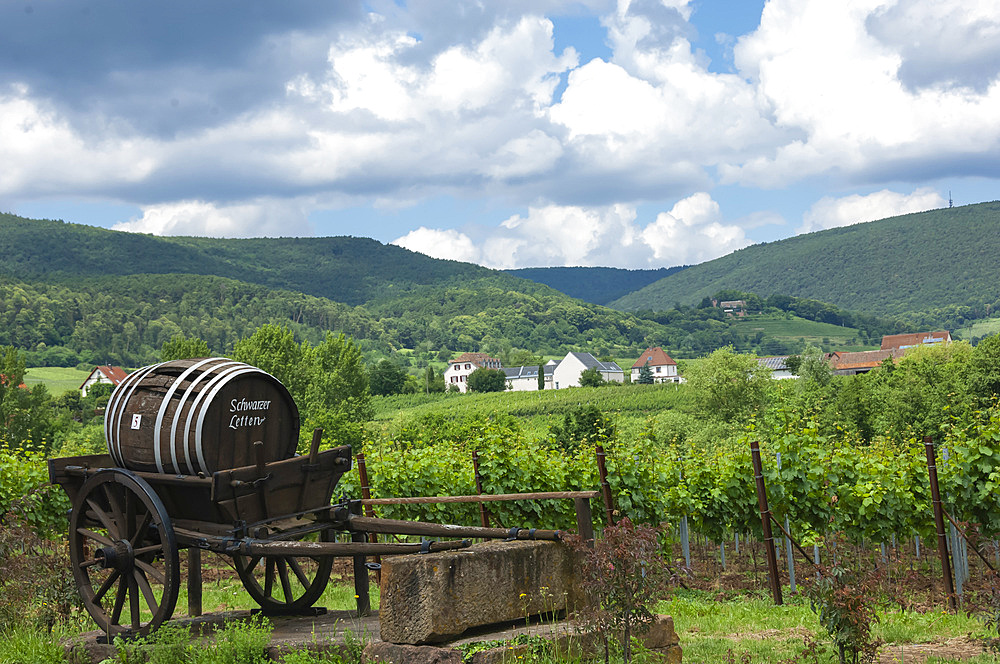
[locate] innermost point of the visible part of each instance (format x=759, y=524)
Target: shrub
x=623, y=574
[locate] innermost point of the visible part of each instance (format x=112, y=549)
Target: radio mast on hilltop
x=950, y=204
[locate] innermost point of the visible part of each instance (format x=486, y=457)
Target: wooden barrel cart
x=202, y=454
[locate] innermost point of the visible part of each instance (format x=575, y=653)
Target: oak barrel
x=199, y=416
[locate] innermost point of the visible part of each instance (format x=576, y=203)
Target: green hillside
x=344, y=269
x=75, y=295
x=599, y=285
x=932, y=261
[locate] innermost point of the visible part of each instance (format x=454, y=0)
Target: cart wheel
x=285, y=583
x=124, y=553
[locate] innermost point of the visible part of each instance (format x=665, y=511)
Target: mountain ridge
x=917, y=262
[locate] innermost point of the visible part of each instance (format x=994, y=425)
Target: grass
x=751, y=626
x=58, y=379
x=22, y=645
x=735, y=626
x=799, y=328
x=225, y=592
x=981, y=328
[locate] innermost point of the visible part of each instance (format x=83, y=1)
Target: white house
x=778, y=364
x=662, y=366
x=103, y=374
x=567, y=372
x=459, y=369
x=525, y=379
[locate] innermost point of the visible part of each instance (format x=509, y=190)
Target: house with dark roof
x=891, y=341
x=778, y=364
x=525, y=379
x=662, y=366
x=567, y=372
x=103, y=374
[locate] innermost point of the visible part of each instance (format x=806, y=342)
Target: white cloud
x=693, y=229
x=942, y=43
x=831, y=212
x=42, y=154
x=826, y=75
x=445, y=244
x=511, y=68
x=267, y=218
x=553, y=235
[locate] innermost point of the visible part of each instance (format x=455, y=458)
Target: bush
x=623, y=575
x=37, y=590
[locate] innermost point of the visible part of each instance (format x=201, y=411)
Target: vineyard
x=852, y=482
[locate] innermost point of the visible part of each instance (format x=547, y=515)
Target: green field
x=981, y=328
x=841, y=338
x=57, y=379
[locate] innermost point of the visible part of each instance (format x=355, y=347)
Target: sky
x=508, y=133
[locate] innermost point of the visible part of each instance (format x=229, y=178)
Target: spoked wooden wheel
x=285, y=584
x=124, y=553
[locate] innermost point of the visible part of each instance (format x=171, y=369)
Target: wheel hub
x=120, y=556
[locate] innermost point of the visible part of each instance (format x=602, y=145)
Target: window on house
x=657, y=369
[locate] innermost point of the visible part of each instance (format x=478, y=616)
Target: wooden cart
x=180, y=437
x=274, y=519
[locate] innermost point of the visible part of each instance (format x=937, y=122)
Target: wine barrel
x=199, y=416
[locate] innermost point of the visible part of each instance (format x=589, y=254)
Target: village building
x=525, y=379
x=567, y=373
x=459, y=369
x=903, y=341
x=105, y=374
x=851, y=364
x=661, y=365
x=778, y=364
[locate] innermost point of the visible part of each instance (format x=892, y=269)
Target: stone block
x=434, y=597
x=661, y=633
x=379, y=652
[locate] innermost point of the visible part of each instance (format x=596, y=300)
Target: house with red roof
x=664, y=368
x=891, y=341
x=853, y=363
x=103, y=374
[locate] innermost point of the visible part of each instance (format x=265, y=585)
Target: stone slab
x=435, y=597
x=336, y=629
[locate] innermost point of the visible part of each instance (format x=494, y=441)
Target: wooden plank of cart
x=185, y=470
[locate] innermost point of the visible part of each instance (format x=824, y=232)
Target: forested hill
x=343, y=269
x=74, y=294
x=925, y=262
x=599, y=285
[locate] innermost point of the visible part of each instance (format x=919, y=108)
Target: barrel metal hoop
x=213, y=388
x=182, y=443
x=163, y=411
x=117, y=426
x=113, y=402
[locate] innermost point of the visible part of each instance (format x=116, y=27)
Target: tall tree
x=273, y=349
x=183, y=348
x=591, y=377
x=487, y=380
x=645, y=375
x=728, y=385
x=387, y=378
